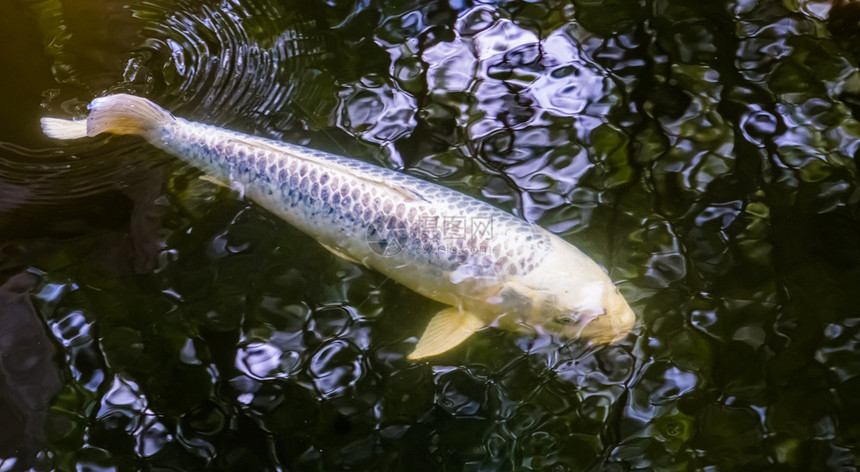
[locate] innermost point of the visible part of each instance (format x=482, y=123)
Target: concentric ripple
x=223, y=60
x=250, y=63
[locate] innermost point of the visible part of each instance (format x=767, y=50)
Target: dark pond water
x=702, y=151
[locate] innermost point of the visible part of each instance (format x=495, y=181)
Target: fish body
x=489, y=266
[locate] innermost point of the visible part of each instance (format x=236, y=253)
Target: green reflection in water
x=704, y=152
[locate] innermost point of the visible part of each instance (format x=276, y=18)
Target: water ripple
x=229, y=59
x=712, y=149
x=215, y=62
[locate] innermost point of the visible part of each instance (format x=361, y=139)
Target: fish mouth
x=609, y=328
x=605, y=328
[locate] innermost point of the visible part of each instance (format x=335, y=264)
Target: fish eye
x=566, y=318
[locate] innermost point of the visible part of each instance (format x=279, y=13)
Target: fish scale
x=335, y=206
x=490, y=267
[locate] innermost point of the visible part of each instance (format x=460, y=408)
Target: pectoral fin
x=214, y=181
x=341, y=254
x=232, y=185
x=446, y=330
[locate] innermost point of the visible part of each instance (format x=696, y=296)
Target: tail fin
x=64, y=129
x=117, y=114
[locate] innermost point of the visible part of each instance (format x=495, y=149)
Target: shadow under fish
x=29, y=377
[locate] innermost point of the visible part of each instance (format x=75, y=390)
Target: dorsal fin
x=403, y=192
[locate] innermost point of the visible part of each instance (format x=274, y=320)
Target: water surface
x=703, y=152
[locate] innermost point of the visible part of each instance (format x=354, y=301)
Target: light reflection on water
x=703, y=154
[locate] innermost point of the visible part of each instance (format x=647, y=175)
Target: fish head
x=571, y=296
x=595, y=311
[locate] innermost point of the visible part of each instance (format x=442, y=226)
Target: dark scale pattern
x=434, y=227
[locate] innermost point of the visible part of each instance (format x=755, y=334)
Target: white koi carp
x=489, y=267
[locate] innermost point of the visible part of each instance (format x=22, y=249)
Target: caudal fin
x=64, y=129
x=117, y=114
